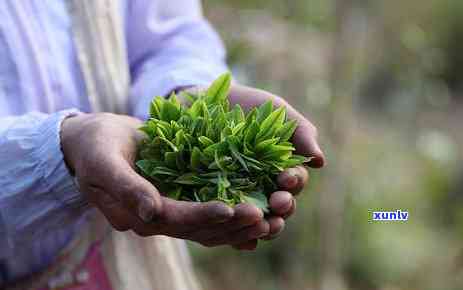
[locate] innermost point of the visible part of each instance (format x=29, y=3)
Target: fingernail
x=291, y=210
x=294, y=180
x=317, y=161
x=288, y=206
x=219, y=212
x=146, y=210
x=224, y=215
x=288, y=179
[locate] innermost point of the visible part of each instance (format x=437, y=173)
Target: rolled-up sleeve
x=37, y=193
x=170, y=45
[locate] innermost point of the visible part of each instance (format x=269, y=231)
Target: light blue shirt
x=169, y=45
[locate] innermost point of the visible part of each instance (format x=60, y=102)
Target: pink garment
x=90, y=275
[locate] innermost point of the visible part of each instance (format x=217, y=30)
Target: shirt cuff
x=51, y=159
x=151, y=84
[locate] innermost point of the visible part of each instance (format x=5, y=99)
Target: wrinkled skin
x=101, y=149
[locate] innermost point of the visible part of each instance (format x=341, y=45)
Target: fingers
x=260, y=229
x=293, y=179
x=305, y=141
x=280, y=202
x=291, y=210
x=282, y=206
x=244, y=215
x=246, y=218
x=305, y=136
x=178, y=220
x=277, y=225
x=247, y=246
x=186, y=216
x=247, y=224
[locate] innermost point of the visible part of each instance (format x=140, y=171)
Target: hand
x=292, y=180
x=101, y=148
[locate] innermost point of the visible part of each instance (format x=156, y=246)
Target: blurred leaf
x=257, y=199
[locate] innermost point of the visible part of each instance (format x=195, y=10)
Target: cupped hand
x=101, y=149
x=293, y=180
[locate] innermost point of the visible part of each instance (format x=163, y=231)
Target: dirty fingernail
x=146, y=210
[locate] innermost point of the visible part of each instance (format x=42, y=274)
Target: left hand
x=292, y=180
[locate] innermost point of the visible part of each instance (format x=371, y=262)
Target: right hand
x=101, y=149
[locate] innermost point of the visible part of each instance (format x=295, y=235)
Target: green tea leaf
x=149, y=129
x=168, y=143
x=219, y=89
x=171, y=159
x=154, y=110
x=251, y=133
x=189, y=179
x=179, y=138
x=233, y=145
x=205, y=142
x=180, y=161
x=170, y=112
x=271, y=124
x=195, y=109
x=195, y=160
x=287, y=131
x=173, y=100
x=263, y=145
x=175, y=193
x=251, y=117
x=207, y=151
x=220, y=148
x=257, y=199
x=238, y=128
x=160, y=170
x=275, y=151
x=191, y=98
x=145, y=166
x=264, y=111
x=237, y=114
x=157, y=105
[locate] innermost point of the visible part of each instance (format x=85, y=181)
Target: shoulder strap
x=160, y=262
x=98, y=29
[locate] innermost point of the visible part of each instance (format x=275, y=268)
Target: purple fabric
x=89, y=275
x=169, y=45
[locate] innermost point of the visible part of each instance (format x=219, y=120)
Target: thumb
x=305, y=141
x=305, y=138
x=136, y=193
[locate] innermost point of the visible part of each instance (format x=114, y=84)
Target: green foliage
x=208, y=151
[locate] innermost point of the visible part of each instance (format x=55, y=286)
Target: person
x=60, y=161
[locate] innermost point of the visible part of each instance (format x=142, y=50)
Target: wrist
x=68, y=133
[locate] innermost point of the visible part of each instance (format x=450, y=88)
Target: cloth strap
x=99, y=38
x=132, y=262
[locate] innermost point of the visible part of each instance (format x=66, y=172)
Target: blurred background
x=383, y=81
